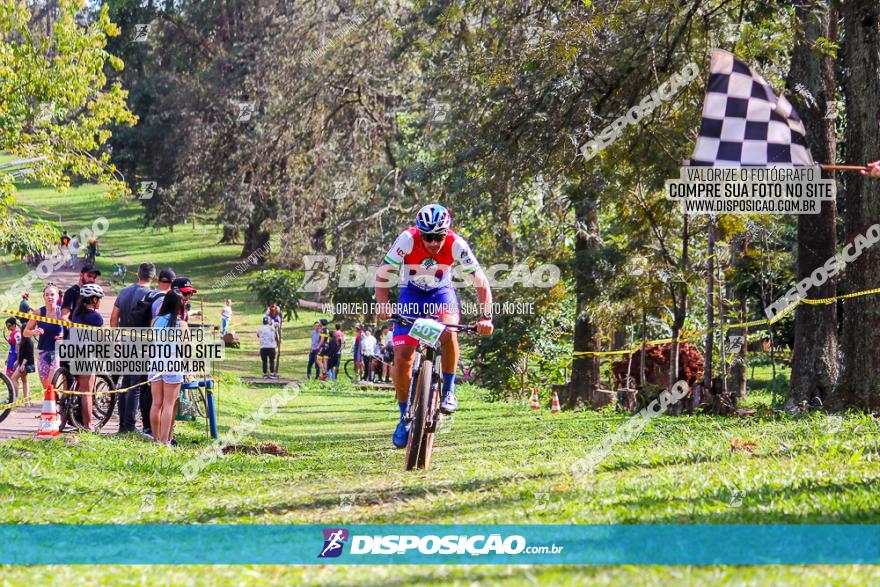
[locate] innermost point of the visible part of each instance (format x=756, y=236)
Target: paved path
x=22, y=422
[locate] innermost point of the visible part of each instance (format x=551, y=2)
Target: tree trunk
x=860, y=381
x=737, y=292
x=584, y=375
x=710, y=306
x=231, y=235
x=502, y=211
x=680, y=310
x=814, y=358
x=255, y=238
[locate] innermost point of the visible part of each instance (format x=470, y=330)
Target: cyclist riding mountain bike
x=425, y=254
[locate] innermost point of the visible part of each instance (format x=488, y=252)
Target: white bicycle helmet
x=433, y=218
x=91, y=290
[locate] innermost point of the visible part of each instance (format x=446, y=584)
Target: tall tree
x=860, y=381
x=813, y=85
x=55, y=105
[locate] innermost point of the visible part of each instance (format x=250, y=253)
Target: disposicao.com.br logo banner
x=440, y=544
x=478, y=544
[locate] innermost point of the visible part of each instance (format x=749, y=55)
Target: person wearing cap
x=266, y=336
x=166, y=278
x=137, y=398
x=186, y=289
x=88, y=274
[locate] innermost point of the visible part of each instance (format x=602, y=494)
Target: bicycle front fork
x=414, y=381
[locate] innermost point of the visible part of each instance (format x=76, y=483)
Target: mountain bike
x=69, y=404
x=465, y=374
x=7, y=395
x=192, y=399
x=423, y=407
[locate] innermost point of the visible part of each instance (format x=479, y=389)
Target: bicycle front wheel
x=416, y=446
x=103, y=402
x=7, y=395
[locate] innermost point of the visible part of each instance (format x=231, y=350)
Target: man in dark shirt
x=88, y=274
x=24, y=307
x=139, y=397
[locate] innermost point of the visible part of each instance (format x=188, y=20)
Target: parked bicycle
x=7, y=395
x=69, y=404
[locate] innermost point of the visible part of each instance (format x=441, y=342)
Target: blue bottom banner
x=681, y=544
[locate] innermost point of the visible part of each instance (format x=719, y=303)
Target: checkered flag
x=745, y=123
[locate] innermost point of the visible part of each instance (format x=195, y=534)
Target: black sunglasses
x=433, y=237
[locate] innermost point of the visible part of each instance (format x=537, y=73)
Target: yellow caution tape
x=725, y=327
x=122, y=390
x=20, y=402
x=48, y=320
x=843, y=297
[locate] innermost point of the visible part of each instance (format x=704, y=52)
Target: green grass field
x=495, y=462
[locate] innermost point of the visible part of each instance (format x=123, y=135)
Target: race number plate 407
x=427, y=331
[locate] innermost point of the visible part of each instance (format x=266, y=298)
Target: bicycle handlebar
x=407, y=321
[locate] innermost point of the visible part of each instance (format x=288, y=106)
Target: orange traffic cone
x=535, y=402
x=50, y=421
x=554, y=404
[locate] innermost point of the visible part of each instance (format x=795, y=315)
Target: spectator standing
x=47, y=358
x=24, y=306
x=266, y=335
x=333, y=350
x=185, y=287
x=123, y=316
x=24, y=363
x=87, y=274
x=313, y=351
x=368, y=348
x=225, y=317
x=340, y=335
x=165, y=386
x=357, y=353
x=12, y=339
x=275, y=316
x=166, y=278
x=64, y=245
x=323, y=343
x=387, y=359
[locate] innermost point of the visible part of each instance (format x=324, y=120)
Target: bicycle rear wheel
x=103, y=402
x=63, y=381
x=349, y=369
x=7, y=395
x=200, y=403
x=421, y=439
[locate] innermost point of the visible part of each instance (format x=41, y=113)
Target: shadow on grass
x=369, y=498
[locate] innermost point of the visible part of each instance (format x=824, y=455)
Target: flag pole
x=827, y=167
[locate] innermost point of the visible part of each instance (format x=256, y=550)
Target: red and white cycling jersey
x=425, y=271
